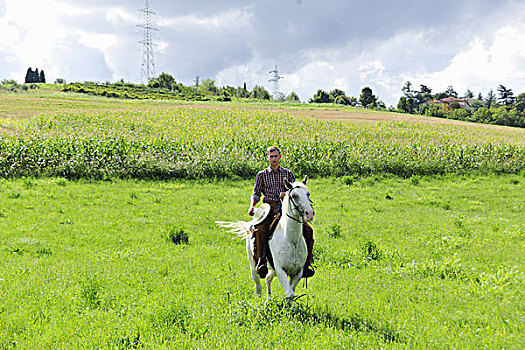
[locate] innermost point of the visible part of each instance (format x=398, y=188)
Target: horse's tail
x=239, y=228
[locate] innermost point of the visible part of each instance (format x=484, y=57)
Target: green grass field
x=430, y=259
x=425, y=262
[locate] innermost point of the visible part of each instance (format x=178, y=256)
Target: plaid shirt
x=270, y=183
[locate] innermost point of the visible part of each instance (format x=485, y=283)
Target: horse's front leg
x=283, y=279
x=268, y=280
x=295, y=280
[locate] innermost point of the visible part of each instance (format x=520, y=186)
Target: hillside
x=25, y=104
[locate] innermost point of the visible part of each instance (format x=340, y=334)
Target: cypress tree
x=29, y=75
x=36, y=76
x=42, y=78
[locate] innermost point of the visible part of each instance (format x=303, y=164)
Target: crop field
x=108, y=241
x=165, y=142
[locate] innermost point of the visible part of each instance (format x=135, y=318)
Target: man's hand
x=282, y=194
x=251, y=211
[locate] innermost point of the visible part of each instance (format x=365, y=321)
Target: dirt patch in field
x=359, y=117
x=21, y=106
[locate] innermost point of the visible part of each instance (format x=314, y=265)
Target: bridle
x=296, y=207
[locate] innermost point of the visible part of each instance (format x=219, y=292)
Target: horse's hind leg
x=256, y=281
x=255, y=276
x=268, y=280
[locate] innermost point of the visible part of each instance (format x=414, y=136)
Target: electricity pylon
x=148, y=61
x=275, y=79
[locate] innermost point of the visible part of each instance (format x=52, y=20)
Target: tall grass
x=217, y=143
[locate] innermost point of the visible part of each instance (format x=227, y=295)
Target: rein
x=301, y=212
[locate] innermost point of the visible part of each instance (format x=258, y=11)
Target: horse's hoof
x=290, y=302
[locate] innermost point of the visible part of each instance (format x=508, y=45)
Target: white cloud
x=341, y=83
x=483, y=65
x=117, y=15
x=372, y=69
x=34, y=45
x=315, y=45
x=9, y=34
x=102, y=42
x=218, y=21
x=252, y=73
x=293, y=81
x=31, y=30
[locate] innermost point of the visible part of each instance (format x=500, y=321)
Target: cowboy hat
x=260, y=214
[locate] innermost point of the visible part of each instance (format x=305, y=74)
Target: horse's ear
x=305, y=179
x=287, y=184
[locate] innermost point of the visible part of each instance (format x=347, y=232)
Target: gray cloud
x=317, y=44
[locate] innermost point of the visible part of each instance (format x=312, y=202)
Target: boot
x=260, y=250
x=308, y=235
x=261, y=267
x=308, y=271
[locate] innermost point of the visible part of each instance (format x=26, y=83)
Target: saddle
x=260, y=217
x=273, y=225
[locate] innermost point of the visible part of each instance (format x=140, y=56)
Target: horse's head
x=299, y=198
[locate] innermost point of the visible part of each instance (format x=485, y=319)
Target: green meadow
x=431, y=262
x=108, y=240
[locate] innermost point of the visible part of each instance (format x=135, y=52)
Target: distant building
x=452, y=102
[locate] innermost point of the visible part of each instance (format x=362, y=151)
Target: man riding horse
x=270, y=183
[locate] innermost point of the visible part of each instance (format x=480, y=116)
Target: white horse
x=287, y=244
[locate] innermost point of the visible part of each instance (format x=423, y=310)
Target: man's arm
x=252, y=207
x=256, y=196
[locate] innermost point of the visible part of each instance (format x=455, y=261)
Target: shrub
x=458, y=114
x=348, y=180
x=371, y=251
x=90, y=293
x=335, y=231
x=343, y=100
x=225, y=96
x=177, y=235
x=435, y=110
x=482, y=115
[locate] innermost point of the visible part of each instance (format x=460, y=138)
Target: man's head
x=274, y=156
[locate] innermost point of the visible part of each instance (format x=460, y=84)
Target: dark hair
x=272, y=149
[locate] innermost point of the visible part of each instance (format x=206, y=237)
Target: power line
x=148, y=61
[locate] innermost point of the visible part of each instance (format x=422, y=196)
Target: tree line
x=166, y=87
x=501, y=108
x=367, y=98
x=207, y=87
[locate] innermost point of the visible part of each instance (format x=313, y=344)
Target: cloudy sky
x=328, y=44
